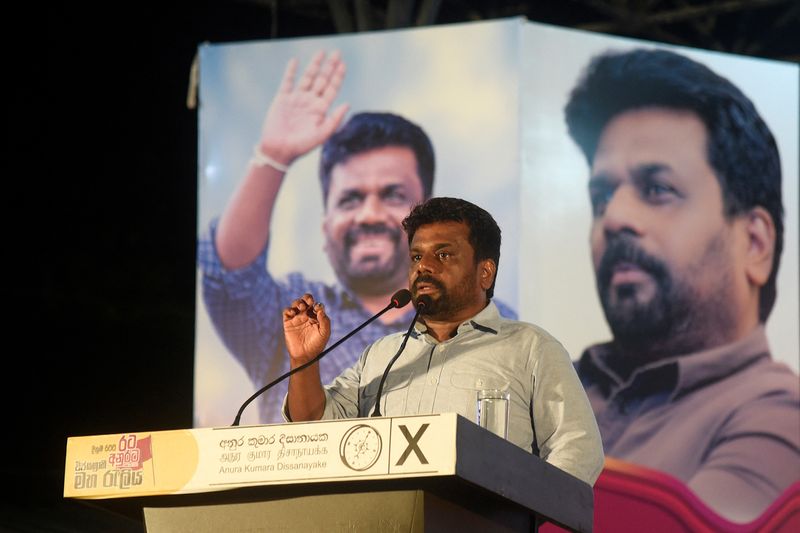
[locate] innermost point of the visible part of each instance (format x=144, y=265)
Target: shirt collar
x=487, y=320
x=693, y=370
x=720, y=362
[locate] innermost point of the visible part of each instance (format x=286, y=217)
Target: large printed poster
x=637, y=246
x=652, y=229
x=457, y=84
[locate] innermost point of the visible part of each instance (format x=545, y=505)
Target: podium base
x=403, y=510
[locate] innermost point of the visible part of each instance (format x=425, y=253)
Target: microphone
x=398, y=299
x=421, y=302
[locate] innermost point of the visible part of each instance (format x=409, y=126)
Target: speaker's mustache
x=430, y=280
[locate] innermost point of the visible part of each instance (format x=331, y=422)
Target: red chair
x=632, y=498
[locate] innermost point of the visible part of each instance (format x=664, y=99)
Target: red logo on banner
x=131, y=452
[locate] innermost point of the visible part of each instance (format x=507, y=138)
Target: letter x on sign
x=413, y=445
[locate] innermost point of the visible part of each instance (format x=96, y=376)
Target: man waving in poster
x=373, y=169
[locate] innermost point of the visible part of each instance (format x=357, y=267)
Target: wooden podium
x=414, y=473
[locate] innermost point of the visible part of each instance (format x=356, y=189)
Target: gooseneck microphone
x=398, y=299
x=377, y=410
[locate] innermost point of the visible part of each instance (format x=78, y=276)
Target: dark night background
x=99, y=255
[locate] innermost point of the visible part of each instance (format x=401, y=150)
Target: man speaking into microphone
x=458, y=344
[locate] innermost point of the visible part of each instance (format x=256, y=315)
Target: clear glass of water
x=493, y=411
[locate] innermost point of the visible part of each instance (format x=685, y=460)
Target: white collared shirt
x=549, y=411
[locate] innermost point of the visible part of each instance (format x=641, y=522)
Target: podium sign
x=453, y=467
x=202, y=460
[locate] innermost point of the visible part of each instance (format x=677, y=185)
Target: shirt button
x=434, y=381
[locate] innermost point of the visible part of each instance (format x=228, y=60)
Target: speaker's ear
x=488, y=270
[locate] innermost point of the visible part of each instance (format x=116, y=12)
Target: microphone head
x=401, y=298
x=423, y=301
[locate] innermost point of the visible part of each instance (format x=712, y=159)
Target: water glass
x=493, y=411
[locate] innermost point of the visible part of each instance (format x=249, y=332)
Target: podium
x=413, y=473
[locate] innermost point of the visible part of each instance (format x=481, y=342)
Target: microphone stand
x=377, y=410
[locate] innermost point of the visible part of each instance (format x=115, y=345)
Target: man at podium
x=458, y=346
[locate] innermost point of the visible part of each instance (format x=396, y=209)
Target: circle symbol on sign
x=360, y=447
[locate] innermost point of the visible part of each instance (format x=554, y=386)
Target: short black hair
x=741, y=149
x=484, y=233
x=368, y=131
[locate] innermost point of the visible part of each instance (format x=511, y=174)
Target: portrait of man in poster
x=335, y=165
x=685, y=184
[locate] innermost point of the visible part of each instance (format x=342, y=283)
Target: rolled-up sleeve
x=341, y=396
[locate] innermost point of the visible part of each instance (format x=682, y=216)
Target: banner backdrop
x=491, y=98
x=711, y=431
x=458, y=83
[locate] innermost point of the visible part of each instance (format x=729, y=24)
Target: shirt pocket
x=464, y=391
x=394, y=396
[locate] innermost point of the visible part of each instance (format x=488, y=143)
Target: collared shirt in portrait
x=725, y=421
